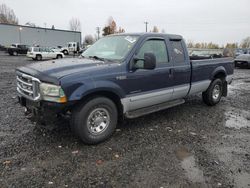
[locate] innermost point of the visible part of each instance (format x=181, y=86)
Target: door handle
x=171, y=73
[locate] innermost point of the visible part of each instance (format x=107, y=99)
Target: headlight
x=52, y=93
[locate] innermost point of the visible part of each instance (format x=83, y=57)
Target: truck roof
x=171, y=36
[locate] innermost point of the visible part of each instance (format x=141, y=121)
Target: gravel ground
x=191, y=145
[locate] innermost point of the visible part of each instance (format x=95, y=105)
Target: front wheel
x=214, y=92
x=95, y=121
x=58, y=56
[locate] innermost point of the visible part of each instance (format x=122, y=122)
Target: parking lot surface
x=191, y=145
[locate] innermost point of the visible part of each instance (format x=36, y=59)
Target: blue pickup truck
x=120, y=76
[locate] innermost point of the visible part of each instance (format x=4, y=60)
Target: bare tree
x=89, y=39
x=121, y=30
x=75, y=24
x=7, y=15
x=190, y=44
x=245, y=43
x=155, y=29
x=30, y=24
x=231, y=45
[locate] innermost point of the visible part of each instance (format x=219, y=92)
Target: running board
x=152, y=109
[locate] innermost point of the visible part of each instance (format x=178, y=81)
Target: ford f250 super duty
x=120, y=76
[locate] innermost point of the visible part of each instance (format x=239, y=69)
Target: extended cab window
x=155, y=46
x=179, y=56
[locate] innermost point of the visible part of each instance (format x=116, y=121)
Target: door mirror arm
x=133, y=66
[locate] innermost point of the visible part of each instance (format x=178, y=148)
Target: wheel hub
x=216, y=92
x=98, y=120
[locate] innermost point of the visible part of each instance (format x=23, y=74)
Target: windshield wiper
x=97, y=58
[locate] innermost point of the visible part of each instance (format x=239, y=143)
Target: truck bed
x=203, y=69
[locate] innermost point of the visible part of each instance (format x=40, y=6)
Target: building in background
x=23, y=34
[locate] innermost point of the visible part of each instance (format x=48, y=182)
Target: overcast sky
x=218, y=21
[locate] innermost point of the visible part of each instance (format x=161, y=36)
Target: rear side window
x=42, y=50
x=178, y=52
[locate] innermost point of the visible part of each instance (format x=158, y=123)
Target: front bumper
x=43, y=112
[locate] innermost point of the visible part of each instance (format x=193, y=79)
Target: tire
x=39, y=57
x=65, y=52
x=213, y=94
x=95, y=121
x=15, y=53
x=59, y=57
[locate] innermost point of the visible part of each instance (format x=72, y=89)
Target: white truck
x=72, y=47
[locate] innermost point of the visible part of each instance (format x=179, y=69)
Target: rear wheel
x=212, y=95
x=15, y=53
x=95, y=121
x=38, y=57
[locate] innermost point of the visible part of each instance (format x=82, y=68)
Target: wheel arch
x=113, y=96
x=220, y=72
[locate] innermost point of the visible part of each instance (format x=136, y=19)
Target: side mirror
x=149, y=62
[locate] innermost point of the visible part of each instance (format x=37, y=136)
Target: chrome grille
x=28, y=86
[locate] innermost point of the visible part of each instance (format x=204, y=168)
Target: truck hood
x=53, y=70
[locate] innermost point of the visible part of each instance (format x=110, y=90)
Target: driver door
x=149, y=87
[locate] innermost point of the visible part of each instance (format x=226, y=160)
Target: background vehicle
x=39, y=53
x=205, y=54
x=84, y=49
x=2, y=48
x=120, y=76
x=241, y=51
x=72, y=47
x=16, y=49
x=56, y=49
x=242, y=61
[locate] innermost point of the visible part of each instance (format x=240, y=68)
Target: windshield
x=111, y=47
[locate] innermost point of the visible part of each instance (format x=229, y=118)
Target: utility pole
x=98, y=32
x=146, y=23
